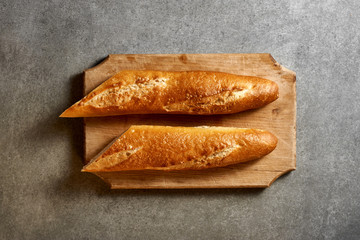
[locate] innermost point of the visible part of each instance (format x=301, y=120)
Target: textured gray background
x=44, y=45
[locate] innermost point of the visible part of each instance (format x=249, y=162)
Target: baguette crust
x=181, y=148
x=197, y=93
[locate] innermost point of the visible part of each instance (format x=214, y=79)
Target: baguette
x=181, y=148
x=197, y=93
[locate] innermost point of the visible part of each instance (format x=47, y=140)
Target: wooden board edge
x=295, y=117
x=112, y=187
x=180, y=54
x=276, y=174
x=291, y=77
x=84, y=159
x=112, y=57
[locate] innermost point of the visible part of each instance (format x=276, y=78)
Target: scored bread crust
x=197, y=93
x=181, y=148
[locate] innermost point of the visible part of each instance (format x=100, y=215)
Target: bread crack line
x=123, y=94
x=221, y=99
x=209, y=159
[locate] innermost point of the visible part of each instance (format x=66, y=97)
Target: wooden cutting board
x=278, y=117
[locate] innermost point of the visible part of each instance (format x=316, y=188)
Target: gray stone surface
x=44, y=45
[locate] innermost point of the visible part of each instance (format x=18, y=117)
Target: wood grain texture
x=278, y=117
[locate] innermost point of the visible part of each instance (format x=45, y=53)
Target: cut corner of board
x=283, y=68
x=100, y=63
x=280, y=174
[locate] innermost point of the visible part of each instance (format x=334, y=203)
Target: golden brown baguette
x=203, y=93
x=181, y=148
